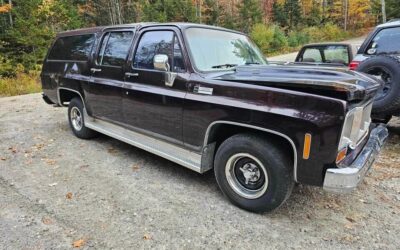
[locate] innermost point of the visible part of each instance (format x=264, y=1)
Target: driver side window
x=158, y=42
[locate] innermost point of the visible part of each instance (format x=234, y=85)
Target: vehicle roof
x=179, y=25
x=392, y=23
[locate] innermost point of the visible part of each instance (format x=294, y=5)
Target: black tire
x=278, y=167
x=387, y=101
x=75, y=107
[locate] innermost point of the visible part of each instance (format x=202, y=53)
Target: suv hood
x=334, y=82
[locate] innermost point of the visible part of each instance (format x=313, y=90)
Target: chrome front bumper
x=346, y=178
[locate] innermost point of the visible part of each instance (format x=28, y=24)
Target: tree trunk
x=383, y=11
x=10, y=15
x=346, y=13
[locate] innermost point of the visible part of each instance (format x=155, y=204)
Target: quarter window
x=75, y=48
x=159, y=42
x=114, y=48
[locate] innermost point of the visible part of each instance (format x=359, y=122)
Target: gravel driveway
x=57, y=192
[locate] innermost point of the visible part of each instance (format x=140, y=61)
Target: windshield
x=215, y=49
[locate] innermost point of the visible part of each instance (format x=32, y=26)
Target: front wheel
x=254, y=173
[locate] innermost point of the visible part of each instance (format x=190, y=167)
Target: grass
x=22, y=83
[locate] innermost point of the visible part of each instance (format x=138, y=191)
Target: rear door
x=107, y=79
x=149, y=104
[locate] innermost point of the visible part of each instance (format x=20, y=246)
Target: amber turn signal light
x=307, y=146
x=341, y=155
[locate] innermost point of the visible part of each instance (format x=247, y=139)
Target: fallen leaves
x=12, y=149
x=147, y=236
x=47, y=221
x=112, y=150
x=349, y=239
x=78, y=243
x=53, y=184
x=50, y=162
x=38, y=146
x=3, y=158
x=69, y=196
x=350, y=219
x=135, y=168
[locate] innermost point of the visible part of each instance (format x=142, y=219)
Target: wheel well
x=219, y=132
x=66, y=95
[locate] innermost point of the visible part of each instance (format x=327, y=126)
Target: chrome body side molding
x=257, y=128
x=161, y=148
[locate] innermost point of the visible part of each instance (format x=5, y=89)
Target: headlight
x=355, y=127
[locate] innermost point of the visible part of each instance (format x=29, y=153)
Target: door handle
x=129, y=74
x=94, y=70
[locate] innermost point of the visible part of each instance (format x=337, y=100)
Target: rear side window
x=114, y=48
x=337, y=54
x=386, y=41
x=75, y=48
x=312, y=55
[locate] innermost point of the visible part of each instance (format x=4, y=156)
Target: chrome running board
x=161, y=148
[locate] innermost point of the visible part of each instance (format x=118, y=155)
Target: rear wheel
x=77, y=121
x=253, y=173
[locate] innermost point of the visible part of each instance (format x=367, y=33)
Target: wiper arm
x=252, y=63
x=226, y=65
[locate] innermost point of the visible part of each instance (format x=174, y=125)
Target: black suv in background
x=379, y=55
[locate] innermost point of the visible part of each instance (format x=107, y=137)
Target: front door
x=151, y=105
x=104, y=91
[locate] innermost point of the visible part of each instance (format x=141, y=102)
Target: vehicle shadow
x=305, y=202
x=303, y=197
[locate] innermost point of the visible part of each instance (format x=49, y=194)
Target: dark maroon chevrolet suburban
x=206, y=98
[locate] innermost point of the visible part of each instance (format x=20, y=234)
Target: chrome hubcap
x=76, y=118
x=250, y=172
x=246, y=175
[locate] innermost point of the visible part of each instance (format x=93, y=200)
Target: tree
x=34, y=26
x=293, y=13
x=249, y=14
x=279, y=16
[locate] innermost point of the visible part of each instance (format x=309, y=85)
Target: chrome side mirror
x=160, y=62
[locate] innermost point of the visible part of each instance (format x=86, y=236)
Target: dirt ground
x=60, y=192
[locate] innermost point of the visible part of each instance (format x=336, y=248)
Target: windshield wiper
x=252, y=63
x=226, y=65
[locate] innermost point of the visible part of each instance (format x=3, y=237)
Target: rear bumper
x=346, y=178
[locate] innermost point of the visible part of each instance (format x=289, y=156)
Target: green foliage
x=270, y=38
x=328, y=32
x=293, y=13
x=297, y=38
x=249, y=14
x=263, y=35
x=279, y=15
x=169, y=10
x=22, y=83
x=392, y=9
x=34, y=27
